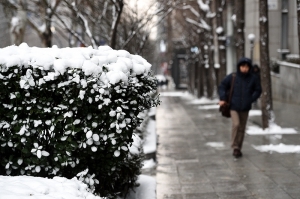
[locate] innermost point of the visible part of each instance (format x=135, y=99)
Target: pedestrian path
x=192, y=164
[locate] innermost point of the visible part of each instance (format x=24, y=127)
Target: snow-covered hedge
x=73, y=110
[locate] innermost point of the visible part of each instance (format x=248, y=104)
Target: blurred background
x=191, y=43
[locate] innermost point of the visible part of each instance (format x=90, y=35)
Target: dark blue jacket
x=246, y=88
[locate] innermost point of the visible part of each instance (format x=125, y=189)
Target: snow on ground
x=215, y=144
x=208, y=107
x=148, y=164
x=146, y=190
x=279, y=148
x=175, y=94
x=273, y=129
x=255, y=113
x=28, y=187
x=203, y=101
x=149, y=145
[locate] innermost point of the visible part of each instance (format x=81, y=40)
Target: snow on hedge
x=91, y=61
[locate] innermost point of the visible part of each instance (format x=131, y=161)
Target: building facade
x=283, y=44
x=283, y=32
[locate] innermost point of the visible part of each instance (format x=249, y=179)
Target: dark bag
x=225, y=109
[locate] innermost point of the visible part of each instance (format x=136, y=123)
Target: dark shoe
x=237, y=153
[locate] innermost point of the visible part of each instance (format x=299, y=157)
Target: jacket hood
x=244, y=60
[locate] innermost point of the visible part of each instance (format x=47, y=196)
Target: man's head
x=244, y=68
x=244, y=65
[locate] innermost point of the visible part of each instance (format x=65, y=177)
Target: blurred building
x=283, y=32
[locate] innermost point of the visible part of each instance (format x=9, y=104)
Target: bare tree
x=118, y=7
x=88, y=22
x=202, y=20
x=240, y=25
x=18, y=26
x=220, y=6
x=41, y=18
x=298, y=19
x=210, y=52
x=266, y=98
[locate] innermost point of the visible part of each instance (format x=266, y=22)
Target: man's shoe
x=237, y=153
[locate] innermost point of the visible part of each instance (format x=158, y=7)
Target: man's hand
x=221, y=103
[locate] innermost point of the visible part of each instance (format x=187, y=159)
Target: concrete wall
x=293, y=28
x=252, y=27
x=286, y=84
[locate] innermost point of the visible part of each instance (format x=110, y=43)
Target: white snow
x=251, y=36
x=255, y=113
x=147, y=188
x=207, y=107
x=147, y=164
x=279, y=148
x=91, y=61
x=28, y=187
x=215, y=144
x=203, y=100
x=273, y=129
x=149, y=145
x=203, y=6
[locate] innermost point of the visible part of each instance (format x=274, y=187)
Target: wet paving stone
x=292, y=189
x=197, y=188
x=201, y=196
x=235, y=195
x=170, y=196
x=264, y=193
x=228, y=187
x=189, y=178
x=222, y=175
x=167, y=178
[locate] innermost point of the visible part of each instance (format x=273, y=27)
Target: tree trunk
x=194, y=81
x=113, y=35
x=220, y=6
x=210, y=52
x=196, y=76
x=192, y=75
x=240, y=25
x=47, y=39
x=18, y=27
x=298, y=19
x=200, y=80
x=201, y=64
x=266, y=97
x=211, y=74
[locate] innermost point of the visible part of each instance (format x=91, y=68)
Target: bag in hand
x=225, y=110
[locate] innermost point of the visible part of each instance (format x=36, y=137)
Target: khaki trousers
x=239, y=121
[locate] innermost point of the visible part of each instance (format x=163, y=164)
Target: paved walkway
x=188, y=168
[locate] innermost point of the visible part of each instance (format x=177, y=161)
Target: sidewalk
x=191, y=163
x=286, y=115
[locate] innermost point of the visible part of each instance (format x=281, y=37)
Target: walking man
x=246, y=90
